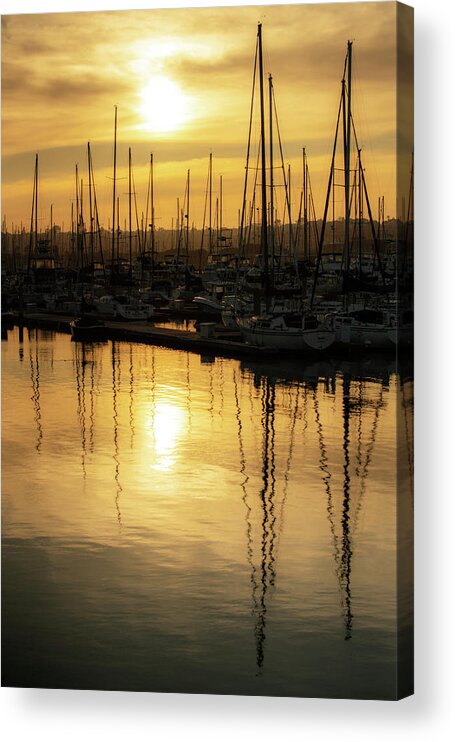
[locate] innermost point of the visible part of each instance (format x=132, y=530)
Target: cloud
x=63, y=73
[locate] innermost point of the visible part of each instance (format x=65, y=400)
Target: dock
x=224, y=343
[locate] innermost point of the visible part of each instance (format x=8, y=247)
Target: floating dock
x=223, y=343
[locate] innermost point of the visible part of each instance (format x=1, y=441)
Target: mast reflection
x=352, y=405
x=35, y=381
x=188, y=392
x=211, y=393
x=406, y=394
x=80, y=363
x=287, y=470
x=346, y=546
x=115, y=390
x=248, y=509
x=327, y=480
x=131, y=398
x=92, y=408
x=363, y=467
x=267, y=573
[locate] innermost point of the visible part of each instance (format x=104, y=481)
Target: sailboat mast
x=220, y=235
x=210, y=204
x=113, y=192
x=346, y=543
x=305, y=207
x=152, y=226
x=289, y=211
x=360, y=213
x=36, y=203
x=77, y=218
x=118, y=230
x=32, y=217
x=177, y=226
x=187, y=215
x=129, y=216
x=347, y=156
x=82, y=238
x=272, y=205
x=264, y=241
x=92, y=257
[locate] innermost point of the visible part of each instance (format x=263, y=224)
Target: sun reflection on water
x=166, y=427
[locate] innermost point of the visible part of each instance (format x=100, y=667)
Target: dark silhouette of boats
x=88, y=329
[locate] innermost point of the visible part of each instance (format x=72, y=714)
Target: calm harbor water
x=179, y=523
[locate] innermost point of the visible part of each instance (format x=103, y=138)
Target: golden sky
x=181, y=79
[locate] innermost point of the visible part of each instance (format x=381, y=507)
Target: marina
x=207, y=353
x=295, y=295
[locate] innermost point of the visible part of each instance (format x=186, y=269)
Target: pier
x=223, y=343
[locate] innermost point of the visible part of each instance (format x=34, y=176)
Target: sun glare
x=167, y=426
x=164, y=106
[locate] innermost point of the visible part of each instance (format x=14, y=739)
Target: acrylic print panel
x=207, y=350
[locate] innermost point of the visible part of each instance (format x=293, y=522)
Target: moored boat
x=364, y=328
x=286, y=332
x=88, y=329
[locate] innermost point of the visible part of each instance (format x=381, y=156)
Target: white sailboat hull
x=365, y=336
x=291, y=339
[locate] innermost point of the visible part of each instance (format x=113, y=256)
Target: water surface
x=179, y=523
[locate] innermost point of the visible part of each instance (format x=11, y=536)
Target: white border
x=56, y=715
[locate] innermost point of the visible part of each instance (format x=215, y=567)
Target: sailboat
x=285, y=330
x=365, y=322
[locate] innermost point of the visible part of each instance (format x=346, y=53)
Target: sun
x=164, y=106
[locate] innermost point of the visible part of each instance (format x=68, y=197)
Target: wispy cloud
x=62, y=75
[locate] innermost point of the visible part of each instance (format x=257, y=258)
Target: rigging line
x=245, y=186
x=35, y=185
x=138, y=231
x=281, y=242
x=181, y=225
x=373, y=230
x=313, y=211
x=370, y=215
x=204, y=218
x=95, y=204
x=327, y=201
x=147, y=203
x=410, y=209
x=286, y=190
x=299, y=219
x=253, y=202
